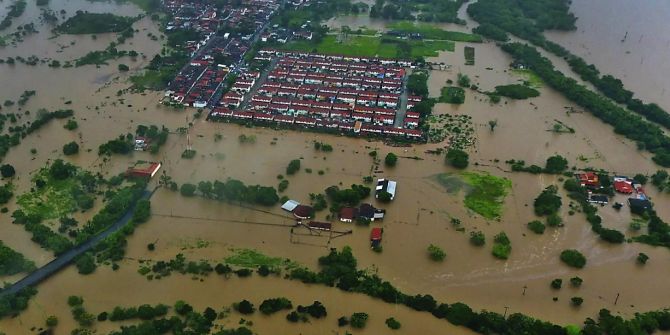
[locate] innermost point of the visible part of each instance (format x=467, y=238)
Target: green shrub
x=642, y=258
x=576, y=301
x=358, y=320
x=576, y=281
x=536, y=227
x=293, y=167
x=436, y=253
x=557, y=283
x=71, y=148
x=477, y=238
x=393, y=323
x=391, y=159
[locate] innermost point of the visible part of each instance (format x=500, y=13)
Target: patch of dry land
x=426, y=210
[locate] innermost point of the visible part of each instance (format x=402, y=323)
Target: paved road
x=65, y=259
x=400, y=115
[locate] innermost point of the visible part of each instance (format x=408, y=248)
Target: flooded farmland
x=420, y=215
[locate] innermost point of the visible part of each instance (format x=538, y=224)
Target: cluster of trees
x=573, y=258
x=325, y=147
x=547, y=204
x=12, y=262
x=293, y=167
x=12, y=304
x=516, y=91
x=658, y=232
x=186, y=321
x=178, y=264
x=95, y=23
x=79, y=313
x=428, y=11
x=613, y=88
x=121, y=145
x=143, y=312
x=44, y=116
x=233, y=190
x=555, y=164
x=452, y=95
x=117, y=204
x=339, y=269
x=157, y=136
x=502, y=246
x=417, y=83
x=271, y=306
x=15, y=10
x=42, y=234
x=580, y=194
x=526, y=19
x=648, y=136
x=346, y=197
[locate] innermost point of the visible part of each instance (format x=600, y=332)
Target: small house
x=302, y=212
x=143, y=170
x=639, y=206
x=385, y=185
x=348, y=214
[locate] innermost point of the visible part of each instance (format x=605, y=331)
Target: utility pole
x=505, y=315
x=617, y=298
x=524, y=290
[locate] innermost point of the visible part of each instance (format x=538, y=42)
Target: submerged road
x=66, y=258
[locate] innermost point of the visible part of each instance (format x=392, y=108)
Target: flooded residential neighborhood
x=312, y=167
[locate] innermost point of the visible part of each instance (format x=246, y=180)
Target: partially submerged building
x=385, y=185
x=143, y=170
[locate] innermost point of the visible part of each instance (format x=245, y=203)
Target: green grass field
x=484, y=193
x=52, y=201
x=368, y=46
x=249, y=258
x=429, y=31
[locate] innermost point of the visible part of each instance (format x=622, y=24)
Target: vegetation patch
x=469, y=54
x=432, y=32
x=95, y=23
x=12, y=262
x=249, y=258
x=452, y=95
x=455, y=128
x=573, y=258
x=369, y=46
x=484, y=193
x=516, y=91
x=54, y=197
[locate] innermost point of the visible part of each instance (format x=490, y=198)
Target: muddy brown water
x=420, y=214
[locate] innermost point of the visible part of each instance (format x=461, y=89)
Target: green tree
x=86, y=264
x=556, y=283
x=536, y=226
x=391, y=159
x=457, y=158
x=293, y=167
x=576, y=301
x=556, y=164
x=463, y=80
x=187, y=190
x=576, y=281
x=244, y=307
x=123, y=67
x=7, y=171
x=548, y=202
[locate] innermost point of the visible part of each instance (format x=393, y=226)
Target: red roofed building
x=588, y=179
x=143, y=170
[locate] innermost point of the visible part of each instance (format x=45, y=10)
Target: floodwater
x=420, y=214
x=627, y=39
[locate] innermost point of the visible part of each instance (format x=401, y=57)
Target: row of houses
x=269, y=52
x=222, y=114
